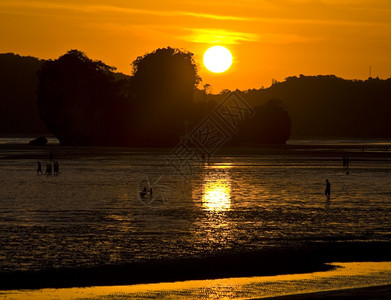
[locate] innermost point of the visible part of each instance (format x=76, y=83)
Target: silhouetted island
x=18, y=104
x=85, y=102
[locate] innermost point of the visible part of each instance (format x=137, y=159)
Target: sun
x=217, y=59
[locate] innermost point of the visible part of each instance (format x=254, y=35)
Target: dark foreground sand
x=307, y=258
x=368, y=293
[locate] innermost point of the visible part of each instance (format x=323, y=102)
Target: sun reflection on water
x=216, y=195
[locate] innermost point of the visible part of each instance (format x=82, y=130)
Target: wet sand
x=367, y=293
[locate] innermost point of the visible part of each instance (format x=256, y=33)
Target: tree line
x=86, y=102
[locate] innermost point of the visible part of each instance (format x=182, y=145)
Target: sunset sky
x=268, y=39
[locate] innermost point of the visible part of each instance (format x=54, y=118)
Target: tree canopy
x=83, y=102
x=77, y=100
x=164, y=82
x=171, y=72
x=18, y=86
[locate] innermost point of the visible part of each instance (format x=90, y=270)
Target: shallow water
x=91, y=214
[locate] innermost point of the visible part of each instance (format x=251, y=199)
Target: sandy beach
x=343, y=280
x=367, y=293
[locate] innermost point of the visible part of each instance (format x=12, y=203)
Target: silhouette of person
x=328, y=189
x=39, y=168
x=48, y=169
x=56, y=168
x=143, y=192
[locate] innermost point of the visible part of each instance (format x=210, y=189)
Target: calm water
x=91, y=213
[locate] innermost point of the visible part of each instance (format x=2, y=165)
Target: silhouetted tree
x=18, y=86
x=164, y=82
x=83, y=102
x=79, y=101
x=172, y=73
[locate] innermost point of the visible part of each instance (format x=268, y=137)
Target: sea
x=94, y=211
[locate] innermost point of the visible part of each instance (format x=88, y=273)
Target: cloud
x=226, y=37
x=86, y=8
x=215, y=17
x=217, y=36
x=34, y=7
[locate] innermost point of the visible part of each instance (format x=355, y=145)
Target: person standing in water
x=143, y=192
x=39, y=169
x=48, y=169
x=328, y=189
x=56, y=168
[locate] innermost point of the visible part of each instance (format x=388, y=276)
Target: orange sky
x=268, y=38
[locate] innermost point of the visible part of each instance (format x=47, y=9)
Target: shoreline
x=312, y=257
x=207, y=268
x=362, y=280
x=355, y=152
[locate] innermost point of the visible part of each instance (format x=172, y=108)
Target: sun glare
x=217, y=59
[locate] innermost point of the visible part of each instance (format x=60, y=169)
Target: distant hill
x=18, y=86
x=328, y=106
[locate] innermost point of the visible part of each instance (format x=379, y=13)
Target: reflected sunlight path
x=216, y=194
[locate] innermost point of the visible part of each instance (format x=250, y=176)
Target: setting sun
x=217, y=59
